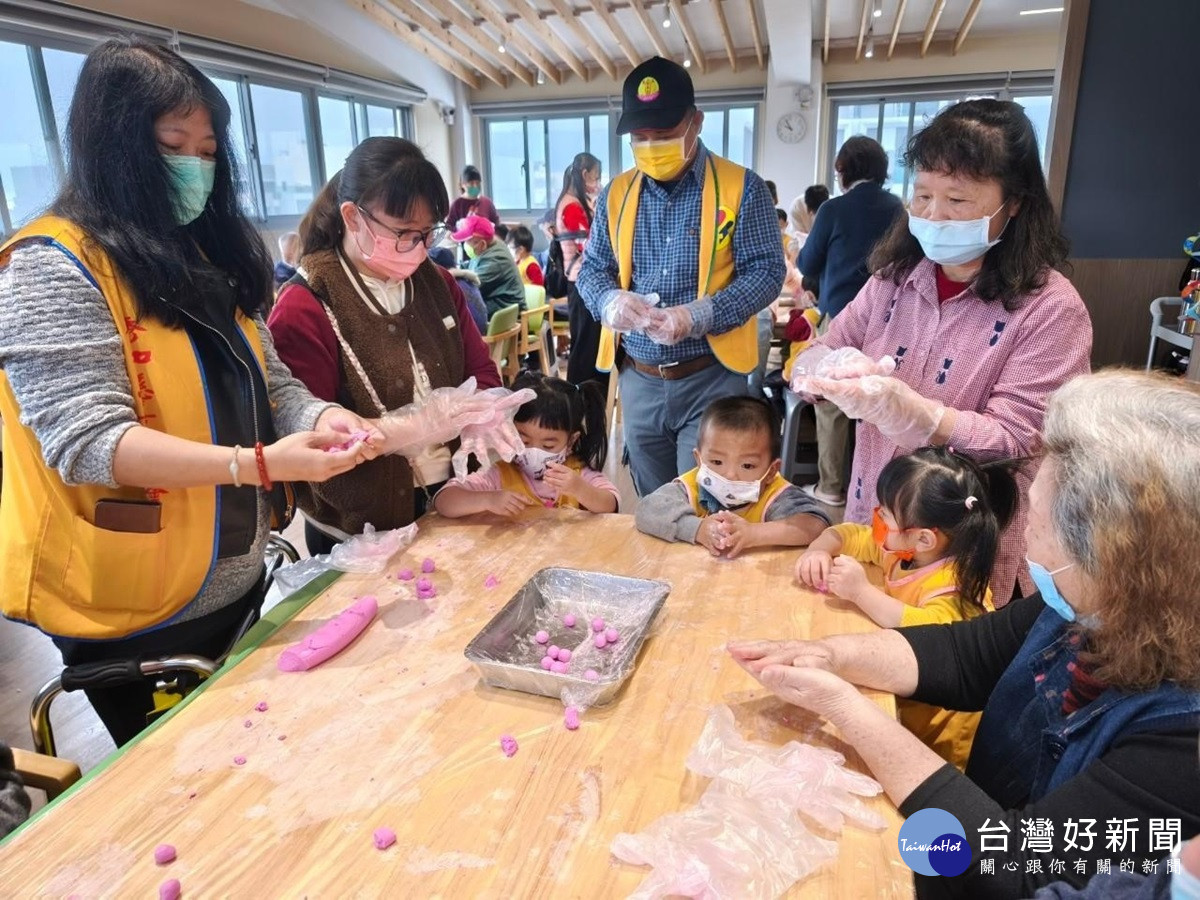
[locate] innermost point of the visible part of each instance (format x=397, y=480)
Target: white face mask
x=533, y=460
x=729, y=494
x=952, y=242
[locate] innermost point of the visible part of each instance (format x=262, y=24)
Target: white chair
x=1158, y=331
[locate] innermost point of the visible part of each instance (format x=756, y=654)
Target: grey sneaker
x=821, y=497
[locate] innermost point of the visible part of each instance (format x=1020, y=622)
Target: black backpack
x=557, y=284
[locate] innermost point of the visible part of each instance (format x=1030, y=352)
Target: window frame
x=36, y=40
x=615, y=141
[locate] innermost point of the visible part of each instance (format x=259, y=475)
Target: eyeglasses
x=409, y=238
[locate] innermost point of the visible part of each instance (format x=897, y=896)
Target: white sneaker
x=821, y=497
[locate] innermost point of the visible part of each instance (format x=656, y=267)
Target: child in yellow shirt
x=935, y=535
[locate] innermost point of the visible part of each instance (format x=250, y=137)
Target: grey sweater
x=62, y=354
x=14, y=802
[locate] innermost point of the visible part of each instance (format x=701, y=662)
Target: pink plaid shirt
x=995, y=367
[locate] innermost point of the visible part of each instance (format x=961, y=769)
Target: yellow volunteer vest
x=513, y=479
x=752, y=513
x=60, y=572
x=523, y=268
x=724, y=182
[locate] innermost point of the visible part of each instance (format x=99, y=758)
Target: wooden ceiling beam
x=510, y=37
x=726, y=36
x=557, y=44
x=967, y=22
x=931, y=26
x=862, y=29
x=404, y=31
x=755, y=30
x=572, y=21
x=825, y=48
x=689, y=36
x=639, y=10
x=600, y=8
x=896, y=27
x=432, y=24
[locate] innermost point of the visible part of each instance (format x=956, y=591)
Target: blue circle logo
x=933, y=842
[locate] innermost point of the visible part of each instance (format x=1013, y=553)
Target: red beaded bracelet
x=262, y=467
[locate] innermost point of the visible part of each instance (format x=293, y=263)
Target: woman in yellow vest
x=935, y=536
x=148, y=423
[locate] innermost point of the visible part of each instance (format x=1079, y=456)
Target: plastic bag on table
x=363, y=554
x=724, y=846
x=811, y=780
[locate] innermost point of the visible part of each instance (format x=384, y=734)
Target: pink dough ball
x=571, y=718
x=424, y=584
x=569, y=620
x=405, y=575
x=541, y=637
x=383, y=838
x=547, y=662
x=239, y=760
x=170, y=890
x=564, y=655
x=601, y=641
x=597, y=624
x=427, y=565
x=559, y=667
x=261, y=706
x=553, y=651
x=163, y=854
x=612, y=635
x=591, y=675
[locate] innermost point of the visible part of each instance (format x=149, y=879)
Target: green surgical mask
x=474, y=190
x=194, y=179
x=469, y=249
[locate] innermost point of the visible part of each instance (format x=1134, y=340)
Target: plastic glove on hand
x=671, y=325
x=821, y=362
x=900, y=413
x=625, y=311
x=435, y=420
x=497, y=433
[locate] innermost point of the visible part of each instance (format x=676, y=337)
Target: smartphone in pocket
x=129, y=516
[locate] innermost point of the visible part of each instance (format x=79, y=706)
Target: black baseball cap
x=657, y=94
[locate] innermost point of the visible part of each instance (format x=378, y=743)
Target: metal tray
x=508, y=656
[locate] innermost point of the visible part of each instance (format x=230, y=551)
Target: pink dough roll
x=330, y=639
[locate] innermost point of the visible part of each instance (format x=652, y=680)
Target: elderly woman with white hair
x=1090, y=689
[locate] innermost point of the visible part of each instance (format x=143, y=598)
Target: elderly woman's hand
x=817, y=690
x=754, y=656
x=899, y=412
x=824, y=363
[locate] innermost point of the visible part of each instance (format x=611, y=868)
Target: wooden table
x=398, y=731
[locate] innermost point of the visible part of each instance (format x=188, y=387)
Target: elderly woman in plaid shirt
x=967, y=326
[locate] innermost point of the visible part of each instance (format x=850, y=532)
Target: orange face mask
x=880, y=532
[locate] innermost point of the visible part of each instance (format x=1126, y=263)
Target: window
x=283, y=150
x=337, y=133
x=893, y=120
x=26, y=169
x=527, y=155
x=279, y=160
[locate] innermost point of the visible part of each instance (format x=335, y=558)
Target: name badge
x=449, y=322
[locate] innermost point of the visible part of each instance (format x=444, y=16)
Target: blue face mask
x=193, y=179
x=1184, y=885
x=1044, y=581
x=951, y=242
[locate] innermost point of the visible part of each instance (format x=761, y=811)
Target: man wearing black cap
x=684, y=251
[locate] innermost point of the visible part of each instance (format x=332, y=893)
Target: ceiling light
x=541, y=77
x=501, y=49
x=687, y=63
x=878, y=9
x=1040, y=12
x=666, y=16
x=870, y=48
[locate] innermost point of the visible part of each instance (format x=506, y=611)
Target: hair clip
x=971, y=502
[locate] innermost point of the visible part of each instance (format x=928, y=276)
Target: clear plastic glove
x=673, y=324
x=369, y=552
x=437, y=419
x=900, y=413
x=495, y=434
x=625, y=311
x=835, y=364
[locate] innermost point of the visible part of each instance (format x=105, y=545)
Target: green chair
x=535, y=326
x=502, y=338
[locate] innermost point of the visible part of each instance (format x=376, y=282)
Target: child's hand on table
x=734, y=535
x=812, y=569
x=507, y=503
x=710, y=536
x=847, y=578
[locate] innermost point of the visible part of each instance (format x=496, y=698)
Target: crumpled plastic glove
x=496, y=434
x=827, y=363
x=436, y=419
x=368, y=553
x=673, y=324
x=625, y=311
x=900, y=413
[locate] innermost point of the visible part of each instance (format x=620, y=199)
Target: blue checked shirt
x=666, y=247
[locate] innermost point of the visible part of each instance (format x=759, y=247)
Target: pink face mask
x=385, y=259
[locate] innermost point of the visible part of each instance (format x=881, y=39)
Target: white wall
x=791, y=166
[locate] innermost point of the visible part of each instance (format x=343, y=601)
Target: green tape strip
x=251, y=641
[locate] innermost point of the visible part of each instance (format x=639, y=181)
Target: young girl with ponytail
x=935, y=535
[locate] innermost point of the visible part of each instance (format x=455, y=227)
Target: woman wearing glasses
x=370, y=322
